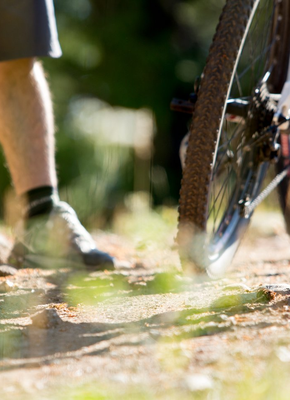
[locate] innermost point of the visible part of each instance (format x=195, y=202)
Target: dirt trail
x=147, y=328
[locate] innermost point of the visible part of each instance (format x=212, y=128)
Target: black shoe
x=58, y=240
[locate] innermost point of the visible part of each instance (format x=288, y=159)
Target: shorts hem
x=31, y=55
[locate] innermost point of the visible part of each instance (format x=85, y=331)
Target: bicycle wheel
x=248, y=60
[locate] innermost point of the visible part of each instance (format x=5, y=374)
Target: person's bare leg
x=27, y=136
x=27, y=125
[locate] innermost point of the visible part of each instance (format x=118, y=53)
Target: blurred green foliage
x=134, y=54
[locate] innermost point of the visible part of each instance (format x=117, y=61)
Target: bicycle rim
x=221, y=173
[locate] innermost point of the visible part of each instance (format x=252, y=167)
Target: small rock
x=283, y=354
x=6, y=270
x=198, y=382
x=281, y=288
x=121, y=264
x=46, y=319
x=139, y=265
x=140, y=283
x=8, y=286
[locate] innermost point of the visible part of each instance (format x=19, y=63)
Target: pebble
x=8, y=286
x=198, y=382
x=46, y=319
x=121, y=264
x=283, y=354
x=6, y=270
x=281, y=288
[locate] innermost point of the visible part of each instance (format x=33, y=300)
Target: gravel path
x=147, y=331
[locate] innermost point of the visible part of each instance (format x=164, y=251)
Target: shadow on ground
x=47, y=322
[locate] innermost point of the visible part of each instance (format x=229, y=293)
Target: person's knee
x=15, y=69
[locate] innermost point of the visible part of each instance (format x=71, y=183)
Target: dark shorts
x=28, y=29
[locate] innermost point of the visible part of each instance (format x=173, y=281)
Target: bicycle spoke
x=225, y=174
x=220, y=191
x=254, y=41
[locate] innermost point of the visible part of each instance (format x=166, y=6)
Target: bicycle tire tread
x=205, y=124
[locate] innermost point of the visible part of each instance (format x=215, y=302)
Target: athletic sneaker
x=57, y=240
